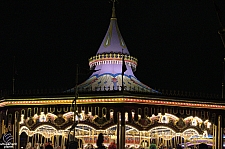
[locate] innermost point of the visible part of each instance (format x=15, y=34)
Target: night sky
x=176, y=42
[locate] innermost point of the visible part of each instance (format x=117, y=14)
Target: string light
x=124, y=100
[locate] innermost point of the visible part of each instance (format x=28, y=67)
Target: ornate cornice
x=113, y=58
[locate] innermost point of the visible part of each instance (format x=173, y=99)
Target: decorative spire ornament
x=113, y=9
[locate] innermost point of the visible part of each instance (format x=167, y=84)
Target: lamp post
x=75, y=98
x=73, y=144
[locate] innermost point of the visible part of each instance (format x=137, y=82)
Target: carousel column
x=213, y=134
x=118, y=130
x=122, y=131
x=220, y=133
x=16, y=135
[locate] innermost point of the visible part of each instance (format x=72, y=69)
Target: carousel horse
x=28, y=146
x=37, y=146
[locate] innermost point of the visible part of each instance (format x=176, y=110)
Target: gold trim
x=104, y=108
x=66, y=109
x=29, y=112
x=113, y=58
x=59, y=109
x=157, y=101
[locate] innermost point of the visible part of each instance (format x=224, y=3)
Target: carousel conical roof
x=107, y=63
x=113, y=41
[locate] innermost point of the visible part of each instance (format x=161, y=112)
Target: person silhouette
x=153, y=145
x=203, y=146
x=49, y=145
x=112, y=145
x=100, y=141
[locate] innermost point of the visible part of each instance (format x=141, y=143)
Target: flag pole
x=122, y=71
x=222, y=36
x=223, y=81
x=73, y=143
x=219, y=16
x=124, y=68
x=13, y=79
x=75, y=99
x=122, y=112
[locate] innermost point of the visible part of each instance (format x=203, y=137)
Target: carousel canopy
x=113, y=64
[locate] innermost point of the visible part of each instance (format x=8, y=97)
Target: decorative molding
x=113, y=58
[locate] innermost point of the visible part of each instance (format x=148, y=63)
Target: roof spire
x=113, y=9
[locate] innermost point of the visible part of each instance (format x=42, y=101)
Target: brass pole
x=118, y=130
x=122, y=130
x=215, y=137
x=220, y=134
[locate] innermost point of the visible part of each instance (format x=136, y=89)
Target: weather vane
x=114, y=1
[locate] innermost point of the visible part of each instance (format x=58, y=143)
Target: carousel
x=164, y=134
x=112, y=101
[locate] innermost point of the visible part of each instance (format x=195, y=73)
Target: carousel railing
x=102, y=90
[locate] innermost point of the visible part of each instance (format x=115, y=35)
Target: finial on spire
x=113, y=9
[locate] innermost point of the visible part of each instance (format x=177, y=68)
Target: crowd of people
x=100, y=145
x=47, y=145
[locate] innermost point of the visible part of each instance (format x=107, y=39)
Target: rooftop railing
x=103, y=90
